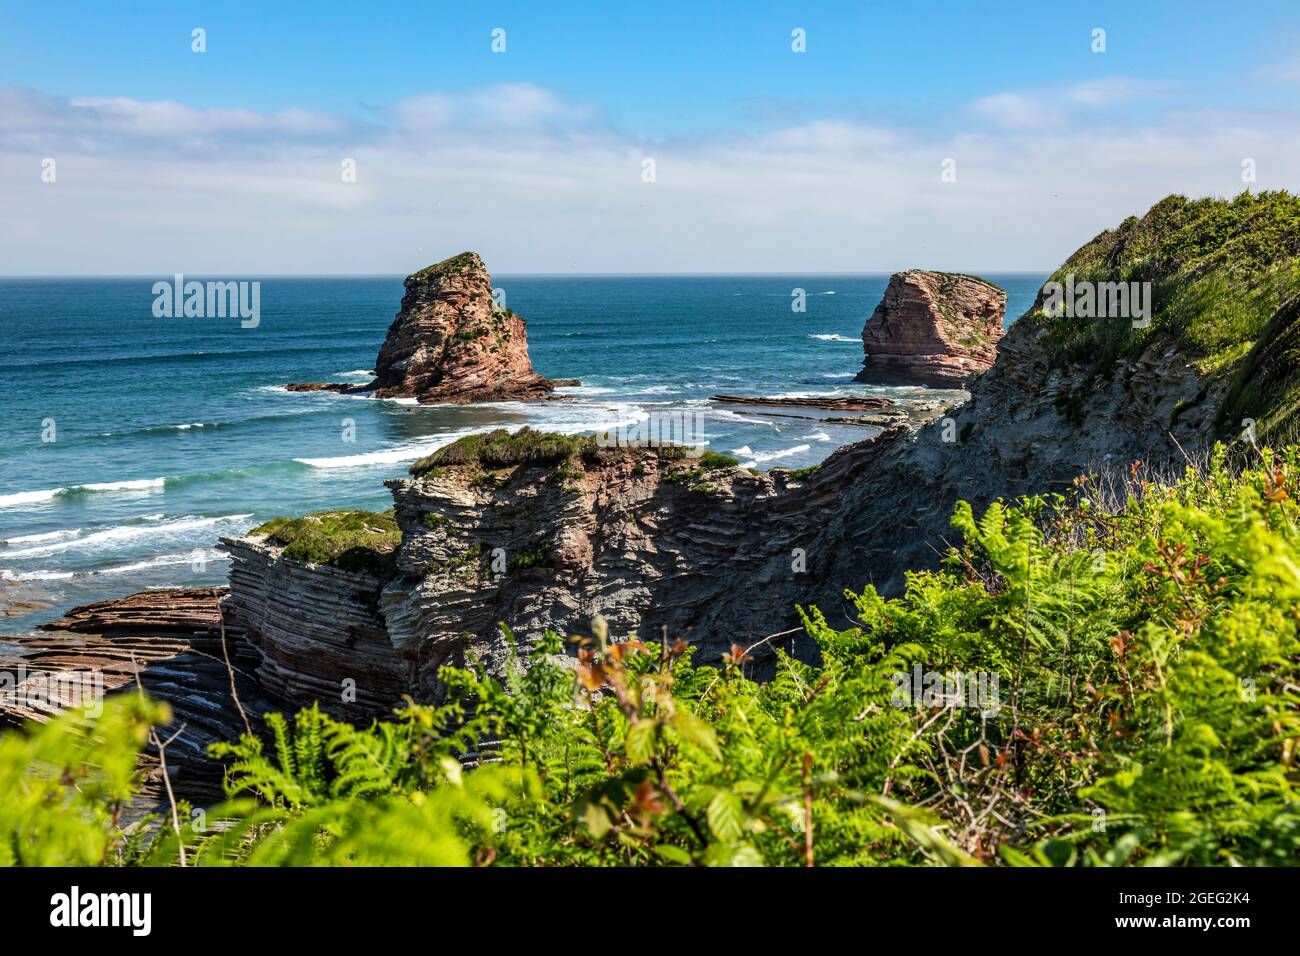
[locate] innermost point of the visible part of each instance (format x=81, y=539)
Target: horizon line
x=156, y=276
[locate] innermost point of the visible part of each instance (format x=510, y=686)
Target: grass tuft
x=350, y=540
x=501, y=449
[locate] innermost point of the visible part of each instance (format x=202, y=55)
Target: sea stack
x=932, y=328
x=450, y=343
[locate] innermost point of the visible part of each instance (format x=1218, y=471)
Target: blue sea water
x=168, y=432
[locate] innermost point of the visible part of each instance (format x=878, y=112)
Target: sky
x=350, y=138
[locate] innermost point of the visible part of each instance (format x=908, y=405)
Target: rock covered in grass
x=501, y=449
x=351, y=540
x=932, y=328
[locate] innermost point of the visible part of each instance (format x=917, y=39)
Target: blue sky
x=656, y=69
x=1013, y=91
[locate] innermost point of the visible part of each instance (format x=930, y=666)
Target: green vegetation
x=464, y=262
x=350, y=540
x=500, y=449
x=708, y=461
x=472, y=558
x=1220, y=271
x=712, y=459
x=799, y=474
x=66, y=783
x=1137, y=643
x=433, y=521
x=530, y=558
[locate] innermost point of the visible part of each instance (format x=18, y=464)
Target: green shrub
x=433, y=521
x=530, y=558
x=67, y=783
x=712, y=459
x=799, y=474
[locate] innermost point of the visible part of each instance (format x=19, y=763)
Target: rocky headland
x=932, y=328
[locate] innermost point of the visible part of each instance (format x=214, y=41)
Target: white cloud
x=1017, y=111
x=537, y=183
x=1284, y=71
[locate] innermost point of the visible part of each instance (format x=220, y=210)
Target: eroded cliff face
x=932, y=328
x=713, y=555
x=651, y=544
x=726, y=556
x=450, y=344
x=1031, y=425
x=317, y=629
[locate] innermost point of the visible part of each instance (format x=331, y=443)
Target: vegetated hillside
x=1225, y=278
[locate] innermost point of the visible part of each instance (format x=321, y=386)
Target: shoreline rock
x=932, y=328
x=170, y=641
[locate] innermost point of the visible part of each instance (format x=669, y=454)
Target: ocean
x=129, y=443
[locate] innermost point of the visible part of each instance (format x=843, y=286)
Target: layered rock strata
x=932, y=328
x=167, y=641
x=318, y=631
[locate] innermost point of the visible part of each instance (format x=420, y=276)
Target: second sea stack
x=451, y=344
x=932, y=328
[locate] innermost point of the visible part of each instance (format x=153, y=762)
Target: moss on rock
x=501, y=449
x=351, y=540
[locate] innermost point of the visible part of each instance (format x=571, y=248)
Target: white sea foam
x=586, y=390
x=727, y=415
x=29, y=497
x=817, y=436
x=755, y=460
x=37, y=538
x=161, y=561
x=121, y=533
x=49, y=494
x=371, y=397
x=390, y=456
x=356, y=373
x=141, y=484
x=834, y=337
x=37, y=575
